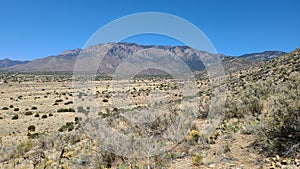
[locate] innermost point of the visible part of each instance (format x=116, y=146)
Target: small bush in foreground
x=281, y=130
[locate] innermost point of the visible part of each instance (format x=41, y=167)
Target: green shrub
x=227, y=148
x=66, y=110
x=77, y=119
x=69, y=102
x=29, y=113
x=255, y=106
x=80, y=109
x=58, y=100
x=280, y=132
x=31, y=128
x=15, y=117
x=33, y=136
x=68, y=126
x=24, y=147
x=233, y=110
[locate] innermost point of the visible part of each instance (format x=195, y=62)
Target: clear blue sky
x=37, y=28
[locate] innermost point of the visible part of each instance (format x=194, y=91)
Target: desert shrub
x=5, y=108
x=173, y=155
x=281, y=130
x=44, y=116
x=33, y=108
x=65, y=110
x=1, y=117
x=31, y=128
x=33, y=136
x=16, y=109
x=58, y=100
x=15, y=117
x=232, y=108
x=227, y=148
x=255, y=106
x=69, y=102
x=28, y=113
x=77, y=120
x=24, y=147
x=105, y=159
x=249, y=100
x=103, y=115
x=193, y=135
x=80, y=109
x=50, y=114
x=11, y=106
x=68, y=126
x=197, y=159
x=36, y=115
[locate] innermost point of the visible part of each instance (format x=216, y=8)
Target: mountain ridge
x=65, y=61
x=6, y=62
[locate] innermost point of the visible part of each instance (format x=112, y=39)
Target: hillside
x=267, y=55
x=6, y=63
x=65, y=61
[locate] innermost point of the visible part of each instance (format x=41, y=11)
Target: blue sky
x=34, y=28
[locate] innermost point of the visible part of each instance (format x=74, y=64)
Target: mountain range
x=267, y=55
x=5, y=63
x=117, y=52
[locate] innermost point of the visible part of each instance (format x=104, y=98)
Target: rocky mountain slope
x=65, y=61
x=267, y=55
x=5, y=63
